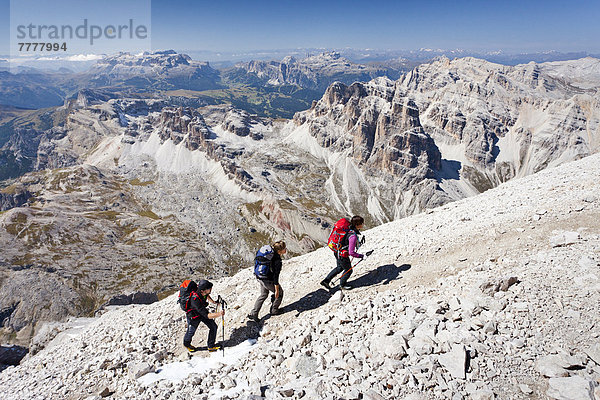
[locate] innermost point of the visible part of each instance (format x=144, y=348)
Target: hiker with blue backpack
x=344, y=242
x=193, y=299
x=267, y=267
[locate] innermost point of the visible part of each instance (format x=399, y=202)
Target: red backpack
x=340, y=230
x=186, y=289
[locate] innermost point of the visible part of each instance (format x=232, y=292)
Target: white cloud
x=74, y=57
x=85, y=57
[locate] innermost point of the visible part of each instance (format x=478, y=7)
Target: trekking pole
x=223, y=303
x=350, y=269
x=367, y=254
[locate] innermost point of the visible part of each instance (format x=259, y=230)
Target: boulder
x=564, y=238
x=503, y=284
x=593, y=353
x=393, y=346
x=550, y=367
x=570, y=388
x=455, y=361
x=306, y=365
x=138, y=369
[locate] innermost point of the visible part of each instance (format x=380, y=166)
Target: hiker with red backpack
x=267, y=267
x=344, y=242
x=193, y=299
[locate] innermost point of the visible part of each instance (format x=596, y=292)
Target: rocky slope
x=81, y=238
x=493, y=296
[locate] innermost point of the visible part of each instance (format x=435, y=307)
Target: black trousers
x=342, y=265
x=192, y=325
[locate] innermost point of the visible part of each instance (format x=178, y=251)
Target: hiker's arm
x=276, y=267
x=214, y=315
x=277, y=287
x=352, y=247
x=211, y=300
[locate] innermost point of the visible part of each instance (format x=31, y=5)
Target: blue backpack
x=262, y=262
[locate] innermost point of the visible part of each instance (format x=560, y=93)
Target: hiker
x=267, y=266
x=196, y=311
x=348, y=243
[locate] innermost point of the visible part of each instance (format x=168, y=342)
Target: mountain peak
x=168, y=58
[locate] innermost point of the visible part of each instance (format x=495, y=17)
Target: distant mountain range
x=276, y=89
x=272, y=83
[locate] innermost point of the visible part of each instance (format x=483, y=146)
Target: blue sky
x=512, y=26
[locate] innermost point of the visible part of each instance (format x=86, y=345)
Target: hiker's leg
x=338, y=268
x=277, y=302
x=192, y=325
x=346, y=265
x=212, y=330
x=264, y=293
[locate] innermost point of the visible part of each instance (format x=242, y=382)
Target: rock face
x=412, y=327
x=12, y=197
x=160, y=70
x=458, y=127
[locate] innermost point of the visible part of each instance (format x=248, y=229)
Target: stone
x=227, y=383
x=337, y=297
x=306, y=365
x=490, y=327
x=420, y=346
x=525, y=389
x=140, y=368
x=286, y=392
x=483, y=394
x=494, y=286
x=549, y=366
x=393, y=346
x=570, y=388
x=427, y=329
x=593, y=353
x=455, y=361
x=353, y=394
x=372, y=395
x=564, y=238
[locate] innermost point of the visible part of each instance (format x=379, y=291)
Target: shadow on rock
x=242, y=333
x=383, y=275
x=309, y=302
x=11, y=355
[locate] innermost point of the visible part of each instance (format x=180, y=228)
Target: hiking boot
x=325, y=284
x=346, y=287
x=253, y=317
x=275, y=312
x=190, y=348
x=215, y=348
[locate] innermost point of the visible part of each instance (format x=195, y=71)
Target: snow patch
x=178, y=371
